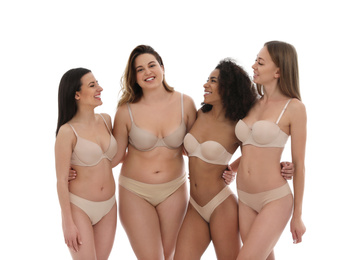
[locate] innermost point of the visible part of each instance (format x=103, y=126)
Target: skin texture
x=152, y=231
x=95, y=183
x=257, y=170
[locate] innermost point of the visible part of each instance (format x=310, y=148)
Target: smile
x=150, y=79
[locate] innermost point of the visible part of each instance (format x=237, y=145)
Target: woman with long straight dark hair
x=84, y=141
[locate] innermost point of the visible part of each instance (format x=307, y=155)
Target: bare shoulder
x=65, y=130
x=66, y=134
x=297, y=106
x=122, y=114
x=297, y=111
x=107, y=117
x=189, y=103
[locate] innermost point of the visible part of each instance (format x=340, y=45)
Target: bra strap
x=73, y=129
x=129, y=110
x=281, y=114
x=105, y=122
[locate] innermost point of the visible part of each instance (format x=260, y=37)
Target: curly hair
x=235, y=89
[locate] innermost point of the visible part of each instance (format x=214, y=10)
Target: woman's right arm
x=120, y=132
x=63, y=150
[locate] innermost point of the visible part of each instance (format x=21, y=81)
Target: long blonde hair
x=131, y=91
x=285, y=58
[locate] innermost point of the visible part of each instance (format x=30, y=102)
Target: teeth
x=149, y=79
x=98, y=96
x=206, y=92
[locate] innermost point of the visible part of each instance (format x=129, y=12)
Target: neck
x=154, y=96
x=218, y=112
x=271, y=92
x=85, y=115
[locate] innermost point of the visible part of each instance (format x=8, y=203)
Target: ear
x=77, y=95
x=277, y=74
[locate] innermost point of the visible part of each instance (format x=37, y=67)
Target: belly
x=94, y=183
x=259, y=169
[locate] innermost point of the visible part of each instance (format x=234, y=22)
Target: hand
x=229, y=175
x=72, y=174
x=72, y=237
x=298, y=229
x=287, y=170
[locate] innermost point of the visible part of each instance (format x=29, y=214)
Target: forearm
x=298, y=185
x=235, y=164
x=64, y=200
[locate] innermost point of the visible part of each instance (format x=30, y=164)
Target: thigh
x=104, y=232
x=87, y=249
x=266, y=228
x=171, y=213
x=224, y=229
x=194, y=236
x=141, y=223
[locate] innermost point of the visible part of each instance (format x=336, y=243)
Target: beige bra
x=209, y=151
x=88, y=153
x=143, y=140
x=263, y=133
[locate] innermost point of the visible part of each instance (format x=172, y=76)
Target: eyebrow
x=213, y=78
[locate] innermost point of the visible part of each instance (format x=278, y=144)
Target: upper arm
x=190, y=111
x=64, y=143
x=298, y=132
x=120, y=132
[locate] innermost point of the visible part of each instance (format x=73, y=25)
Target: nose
x=254, y=66
x=205, y=85
x=147, y=71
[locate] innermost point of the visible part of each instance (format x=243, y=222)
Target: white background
x=41, y=40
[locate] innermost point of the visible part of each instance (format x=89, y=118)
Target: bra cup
x=211, y=150
x=86, y=151
x=176, y=138
x=112, y=150
x=190, y=143
x=242, y=131
x=264, y=132
x=208, y=151
x=142, y=138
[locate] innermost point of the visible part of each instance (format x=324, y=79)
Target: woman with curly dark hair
x=212, y=213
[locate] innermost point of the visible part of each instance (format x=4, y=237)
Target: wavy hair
x=70, y=83
x=235, y=89
x=131, y=91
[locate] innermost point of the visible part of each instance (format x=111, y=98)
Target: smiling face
x=264, y=69
x=211, y=94
x=149, y=73
x=90, y=91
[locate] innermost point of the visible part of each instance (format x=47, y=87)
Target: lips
x=149, y=79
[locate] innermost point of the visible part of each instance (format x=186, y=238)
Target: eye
x=139, y=70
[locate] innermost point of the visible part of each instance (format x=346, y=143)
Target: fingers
x=229, y=176
x=74, y=244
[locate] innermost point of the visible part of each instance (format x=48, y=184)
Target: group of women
x=154, y=127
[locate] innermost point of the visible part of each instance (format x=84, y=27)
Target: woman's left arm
x=298, y=131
